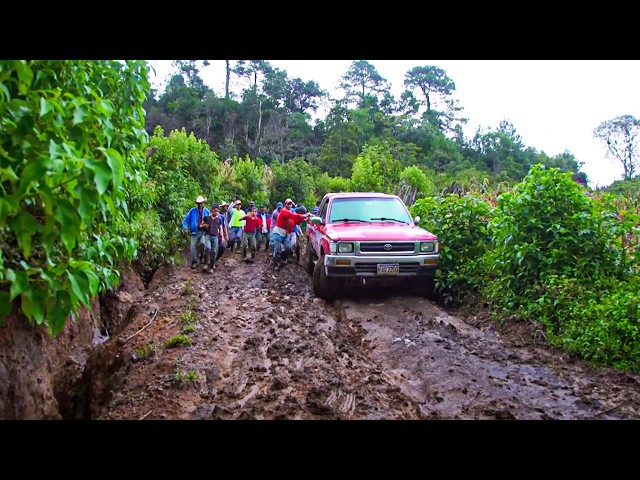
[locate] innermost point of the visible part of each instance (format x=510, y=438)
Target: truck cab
x=361, y=236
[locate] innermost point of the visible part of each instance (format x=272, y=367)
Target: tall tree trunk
x=228, y=76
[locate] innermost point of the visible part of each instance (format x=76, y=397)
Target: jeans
x=280, y=242
x=195, y=238
x=212, y=243
x=235, y=235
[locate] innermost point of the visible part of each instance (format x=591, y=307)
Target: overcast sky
x=554, y=105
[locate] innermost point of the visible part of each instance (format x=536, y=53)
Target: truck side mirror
x=416, y=219
x=315, y=220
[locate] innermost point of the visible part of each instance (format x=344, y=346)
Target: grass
x=188, y=329
x=177, y=341
x=189, y=316
x=146, y=350
x=188, y=288
x=188, y=377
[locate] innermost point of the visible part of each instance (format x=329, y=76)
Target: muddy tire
x=321, y=286
x=311, y=259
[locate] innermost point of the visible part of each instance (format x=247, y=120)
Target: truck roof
x=362, y=194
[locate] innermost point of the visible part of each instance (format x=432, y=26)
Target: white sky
x=554, y=105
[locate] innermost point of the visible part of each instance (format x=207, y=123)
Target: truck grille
x=379, y=247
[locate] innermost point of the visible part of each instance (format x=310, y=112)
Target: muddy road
x=257, y=344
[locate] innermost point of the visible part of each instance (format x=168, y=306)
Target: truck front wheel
x=321, y=286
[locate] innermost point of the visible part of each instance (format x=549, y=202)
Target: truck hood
x=377, y=232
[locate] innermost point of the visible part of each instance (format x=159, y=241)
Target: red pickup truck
x=359, y=237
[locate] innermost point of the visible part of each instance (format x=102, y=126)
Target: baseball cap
x=288, y=200
x=279, y=205
x=238, y=202
x=252, y=203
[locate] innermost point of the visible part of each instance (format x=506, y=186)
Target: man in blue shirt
x=191, y=224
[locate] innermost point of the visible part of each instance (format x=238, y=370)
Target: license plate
x=388, y=268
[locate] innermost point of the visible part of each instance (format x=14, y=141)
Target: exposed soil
x=265, y=348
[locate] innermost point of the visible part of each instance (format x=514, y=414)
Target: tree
x=363, y=79
x=621, y=136
x=437, y=88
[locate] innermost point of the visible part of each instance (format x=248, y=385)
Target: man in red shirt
x=285, y=222
x=251, y=224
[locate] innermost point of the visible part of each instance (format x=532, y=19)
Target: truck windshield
x=369, y=209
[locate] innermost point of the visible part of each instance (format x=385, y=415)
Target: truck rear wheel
x=321, y=286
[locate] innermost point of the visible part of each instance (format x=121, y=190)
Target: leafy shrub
x=72, y=145
x=545, y=226
x=461, y=226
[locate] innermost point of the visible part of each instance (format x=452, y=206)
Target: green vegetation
x=187, y=288
x=188, y=377
x=188, y=329
x=178, y=340
x=72, y=143
x=146, y=350
x=549, y=252
x=190, y=316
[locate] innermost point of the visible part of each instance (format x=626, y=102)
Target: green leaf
x=114, y=160
x=80, y=286
x=67, y=216
x=25, y=226
x=103, y=174
x=45, y=106
x=19, y=282
x=57, y=316
x=33, y=309
x=33, y=172
x=5, y=305
x=94, y=282
x=79, y=114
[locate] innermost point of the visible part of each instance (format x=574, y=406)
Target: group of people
x=228, y=225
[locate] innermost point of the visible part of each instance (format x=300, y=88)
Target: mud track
x=265, y=348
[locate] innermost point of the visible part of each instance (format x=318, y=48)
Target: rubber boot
x=212, y=262
x=207, y=259
x=244, y=253
x=276, y=264
x=253, y=254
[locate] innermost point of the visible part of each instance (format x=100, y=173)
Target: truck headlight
x=345, y=247
x=427, y=246
x=333, y=247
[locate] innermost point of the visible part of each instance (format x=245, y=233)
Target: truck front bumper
x=367, y=266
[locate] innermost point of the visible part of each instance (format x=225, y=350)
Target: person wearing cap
x=191, y=225
x=236, y=226
x=252, y=204
x=285, y=223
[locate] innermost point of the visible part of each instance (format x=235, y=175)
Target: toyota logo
x=387, y=246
